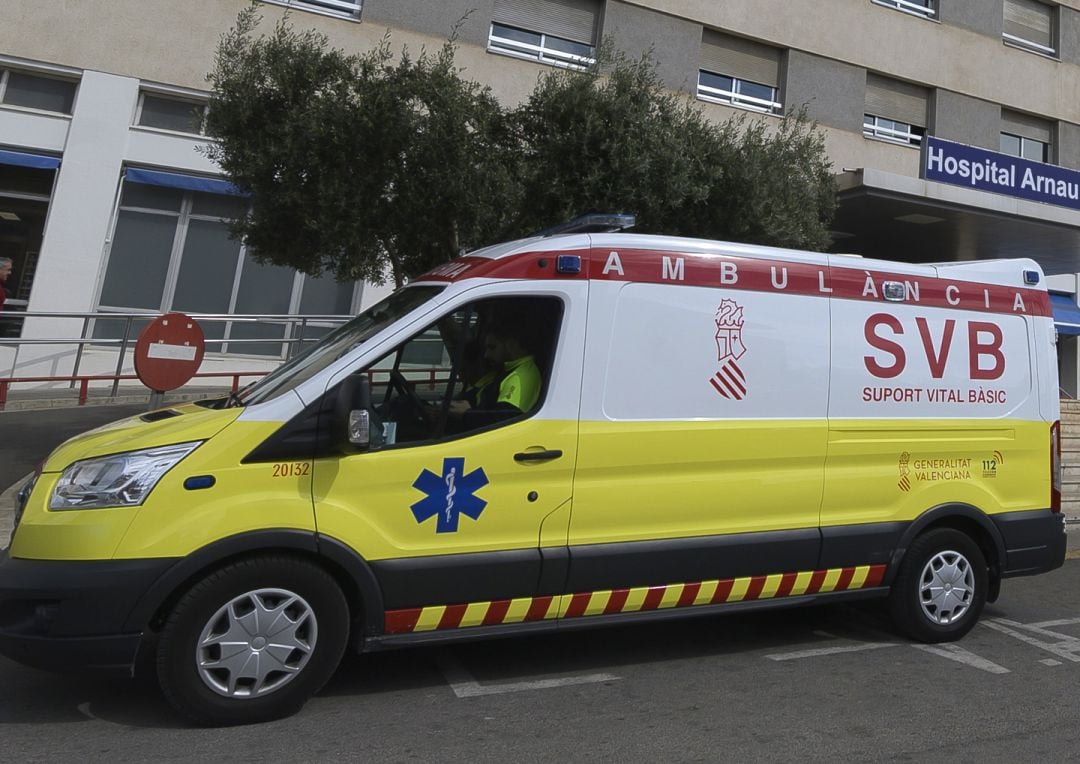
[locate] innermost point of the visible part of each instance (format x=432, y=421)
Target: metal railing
x=294, y=335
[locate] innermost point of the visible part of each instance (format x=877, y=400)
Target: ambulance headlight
x=118, y=480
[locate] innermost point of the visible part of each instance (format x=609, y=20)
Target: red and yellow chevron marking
x=642, y=598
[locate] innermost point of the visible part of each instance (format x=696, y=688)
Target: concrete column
x=964, y=119
x=1069, y=35
x=833, y=92
x=82, y=203
x=435, y=19
x=984, y=16
x=675, y=43
x=1067, y=150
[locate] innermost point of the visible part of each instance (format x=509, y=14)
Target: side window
x=486, y=364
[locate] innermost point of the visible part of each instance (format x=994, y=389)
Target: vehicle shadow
x=589, y=651
x=38, y=697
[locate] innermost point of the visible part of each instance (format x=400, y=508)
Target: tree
x=612, y=138
x=368, y=164
x=356, y=164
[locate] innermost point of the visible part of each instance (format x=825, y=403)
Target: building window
x=181, y=115
x=171, y=250
x=1026, y=137
x=925, y=8
x=349, y=8
x=895, y=111
x=739, y=72
x=557, y=32
x=34, y=91
x=1029, y=24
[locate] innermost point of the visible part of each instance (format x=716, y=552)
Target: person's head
x=503, y=344
x=5, y=268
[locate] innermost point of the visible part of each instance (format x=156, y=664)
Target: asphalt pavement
x=812, y=684
x=27, y=437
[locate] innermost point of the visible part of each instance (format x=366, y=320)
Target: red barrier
x=85, y=380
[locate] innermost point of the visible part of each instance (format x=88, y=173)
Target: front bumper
x=63, y=615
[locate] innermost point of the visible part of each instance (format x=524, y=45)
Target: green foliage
x=369, y=164
x=356, y=164
x=613, y=139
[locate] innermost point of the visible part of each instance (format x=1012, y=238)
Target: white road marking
x=960, y=655
x=84, y=709
x=1058, y=622
x=465, y=685
x=1065, y=648
x=830, y=651
x=1050, y=662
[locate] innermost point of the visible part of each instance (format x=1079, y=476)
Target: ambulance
x=566, y=431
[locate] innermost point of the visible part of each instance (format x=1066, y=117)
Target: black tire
x=327, y=635
x=933, y=622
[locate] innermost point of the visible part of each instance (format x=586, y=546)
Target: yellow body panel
x=657, y=480
x=365, y=500
x=895, y=469
x=173, y=521
x=130, y=434
x=633, y=481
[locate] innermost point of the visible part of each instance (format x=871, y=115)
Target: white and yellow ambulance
x=567, y=431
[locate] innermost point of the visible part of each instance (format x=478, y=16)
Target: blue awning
x=1066, y=314
x=185, y=182
x=37, y=161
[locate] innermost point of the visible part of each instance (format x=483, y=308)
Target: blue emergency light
x=199, y=482
x=568, y=264
x=1031, y=277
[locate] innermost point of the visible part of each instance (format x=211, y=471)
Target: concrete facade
x=964, y=119
x=118, y=49
x=673, y=43
x=831, y=90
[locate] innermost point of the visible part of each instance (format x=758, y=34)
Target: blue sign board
x=961, y=165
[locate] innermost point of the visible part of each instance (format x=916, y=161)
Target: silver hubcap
x=946, y=587
x=257, y=643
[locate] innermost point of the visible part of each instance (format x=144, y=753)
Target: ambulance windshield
x=336, y=344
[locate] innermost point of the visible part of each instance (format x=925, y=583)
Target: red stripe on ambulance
x=577, y=605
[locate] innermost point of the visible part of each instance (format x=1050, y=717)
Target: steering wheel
x=417, y=407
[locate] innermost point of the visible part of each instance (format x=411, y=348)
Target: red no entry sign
x=169, y=351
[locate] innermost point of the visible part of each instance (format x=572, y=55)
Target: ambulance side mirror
x=352, y=413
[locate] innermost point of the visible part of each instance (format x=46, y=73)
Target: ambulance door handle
x=537, y=456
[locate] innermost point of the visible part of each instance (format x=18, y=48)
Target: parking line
x=830, y=651
x=1062, y=649
x=960, y=655
x=465, y=685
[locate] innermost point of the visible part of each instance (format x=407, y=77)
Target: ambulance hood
x=178, y=424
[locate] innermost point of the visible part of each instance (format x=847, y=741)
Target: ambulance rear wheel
x=940, y=588
x=252, y=641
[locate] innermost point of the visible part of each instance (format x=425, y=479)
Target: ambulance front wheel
x=252, y=641
x=940, y=588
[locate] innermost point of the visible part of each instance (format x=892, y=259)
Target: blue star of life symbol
x=449, y=496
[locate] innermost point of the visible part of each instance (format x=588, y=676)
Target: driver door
x=450, y=510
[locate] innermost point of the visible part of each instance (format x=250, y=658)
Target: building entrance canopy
x=898, y=217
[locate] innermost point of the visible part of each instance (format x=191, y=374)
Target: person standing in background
x=5, y=271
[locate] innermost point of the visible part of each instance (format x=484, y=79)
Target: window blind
x=895, y=100
x=740, y=58
x=1029, y=21
x=1034, y=128
x=569, y=19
